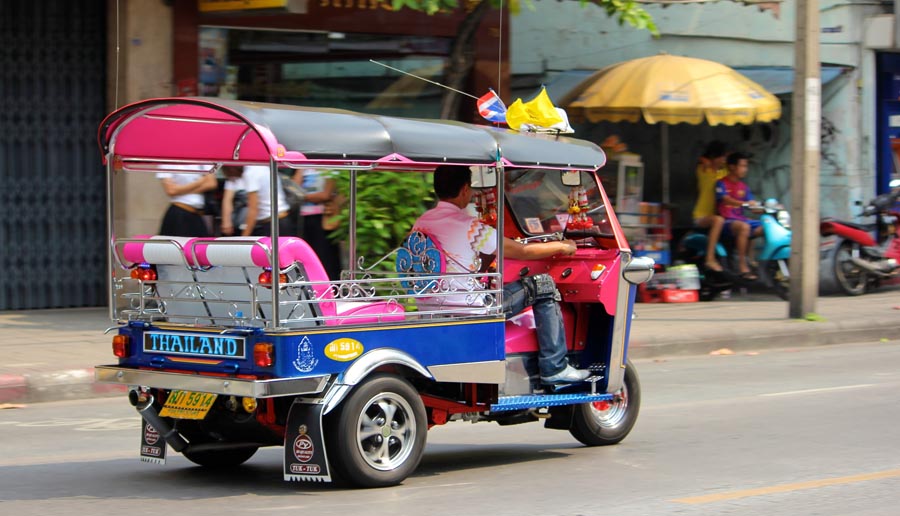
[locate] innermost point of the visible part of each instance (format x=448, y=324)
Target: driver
x=466, y=241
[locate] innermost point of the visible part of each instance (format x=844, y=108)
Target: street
x=775, y=432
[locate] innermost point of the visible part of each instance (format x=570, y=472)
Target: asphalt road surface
x=812, y=431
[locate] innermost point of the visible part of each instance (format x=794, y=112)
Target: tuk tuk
x=229, y=344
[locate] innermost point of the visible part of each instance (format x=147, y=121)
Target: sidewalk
x=49, y=355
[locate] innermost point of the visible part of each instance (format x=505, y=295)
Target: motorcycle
x=692, y=250
x=775, y=251
x=866, y=254
x=772, y=254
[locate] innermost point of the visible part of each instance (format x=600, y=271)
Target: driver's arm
x=536, y=250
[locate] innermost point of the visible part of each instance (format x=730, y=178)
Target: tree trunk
x=462, y=60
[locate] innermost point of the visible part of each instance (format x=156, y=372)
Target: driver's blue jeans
x=551, y=334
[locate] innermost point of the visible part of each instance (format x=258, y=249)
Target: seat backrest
x=221, y=270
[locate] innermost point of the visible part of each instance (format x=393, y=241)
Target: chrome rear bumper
x=218, y=385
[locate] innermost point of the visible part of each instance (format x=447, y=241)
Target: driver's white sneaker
x=567, y=375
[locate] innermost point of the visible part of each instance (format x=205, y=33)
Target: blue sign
x=199, y=345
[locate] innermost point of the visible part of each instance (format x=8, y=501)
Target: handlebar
x=549, y=237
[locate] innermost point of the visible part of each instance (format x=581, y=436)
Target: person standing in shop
x=184, y=217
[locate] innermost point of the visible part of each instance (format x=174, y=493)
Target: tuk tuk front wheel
x=378, y=433
x=603, y=423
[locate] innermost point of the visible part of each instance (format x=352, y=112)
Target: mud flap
x=304, y=444
x=153, y=446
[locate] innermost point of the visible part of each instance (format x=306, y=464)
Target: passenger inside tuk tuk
x=468, y=242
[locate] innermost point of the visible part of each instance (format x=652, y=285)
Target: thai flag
x=491, y=108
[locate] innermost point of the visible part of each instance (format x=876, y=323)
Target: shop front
x=888, y=120
x=348, y=54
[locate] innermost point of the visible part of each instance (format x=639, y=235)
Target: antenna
x=500, y=51
x=116, y=104
x=424, y=79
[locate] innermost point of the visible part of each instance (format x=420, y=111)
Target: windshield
x=541, y=204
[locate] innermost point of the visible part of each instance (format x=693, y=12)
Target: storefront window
x=325, y=69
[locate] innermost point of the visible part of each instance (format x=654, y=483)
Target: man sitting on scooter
x=731, y=196
x=467, y=241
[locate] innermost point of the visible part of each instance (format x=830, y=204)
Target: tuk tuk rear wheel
x=604, y=423
x=378, y=433
x=220, y=458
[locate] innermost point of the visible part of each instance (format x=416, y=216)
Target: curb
x=72, y=384
x=817, y=334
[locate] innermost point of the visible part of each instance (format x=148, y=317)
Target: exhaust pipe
x=146, y=410
x=883, y=268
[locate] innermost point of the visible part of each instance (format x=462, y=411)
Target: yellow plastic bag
x=539, y=111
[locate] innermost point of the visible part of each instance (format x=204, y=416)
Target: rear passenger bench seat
x=210, y=281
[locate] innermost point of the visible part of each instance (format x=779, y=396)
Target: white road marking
x=822, y=389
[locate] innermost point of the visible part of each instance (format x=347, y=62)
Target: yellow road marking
x=785, y=488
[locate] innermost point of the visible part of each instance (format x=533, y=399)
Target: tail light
x=121, y=345
x=144, y=272
x=264, y=355
x=265, y=278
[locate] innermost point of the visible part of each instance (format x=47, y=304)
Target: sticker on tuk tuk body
x=344, y=349
x=306, y=359
x=153, y=447
x=304, y=444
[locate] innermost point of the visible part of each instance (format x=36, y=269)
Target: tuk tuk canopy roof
x=213, y=130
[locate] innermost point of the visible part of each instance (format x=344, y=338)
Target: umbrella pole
x=664, y=137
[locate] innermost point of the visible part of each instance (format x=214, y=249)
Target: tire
x=770, y=272
x=605, y=423
x=850, y=277
x=221, y=458
x=362, y=454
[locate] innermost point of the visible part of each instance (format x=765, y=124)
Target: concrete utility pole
x=806, y=118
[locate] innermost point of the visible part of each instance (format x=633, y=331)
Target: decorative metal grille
x=52, y=187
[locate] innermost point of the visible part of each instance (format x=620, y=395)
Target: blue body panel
x=304, y=353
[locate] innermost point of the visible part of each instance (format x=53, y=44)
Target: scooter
x=866, y=254
x=775, y=250
x=772, y=254
x=692, y=249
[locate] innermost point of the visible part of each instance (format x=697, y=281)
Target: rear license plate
x=188, y=405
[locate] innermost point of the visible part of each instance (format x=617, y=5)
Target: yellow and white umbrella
x=669, y=89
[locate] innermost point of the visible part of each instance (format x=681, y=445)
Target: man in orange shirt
x=710, y=169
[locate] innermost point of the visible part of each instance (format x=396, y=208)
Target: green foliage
x=388, y=203
x=626, y=11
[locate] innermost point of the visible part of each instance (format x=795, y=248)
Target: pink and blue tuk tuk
x=229, y=344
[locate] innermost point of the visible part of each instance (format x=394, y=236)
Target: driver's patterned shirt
x=461, y=236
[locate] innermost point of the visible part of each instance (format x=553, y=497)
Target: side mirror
x=484, y=177
x=639, y=270
x=570, y=177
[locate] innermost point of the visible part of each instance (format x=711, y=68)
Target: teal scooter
x=774, y=249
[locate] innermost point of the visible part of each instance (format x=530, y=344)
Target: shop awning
x=778, y=80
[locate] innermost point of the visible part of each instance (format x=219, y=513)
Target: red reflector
x=144, y=272
x=120, y=345
x=264, y=355
x=265, y=278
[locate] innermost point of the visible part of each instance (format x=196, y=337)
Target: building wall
x=141, y=68
x=558, y=36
